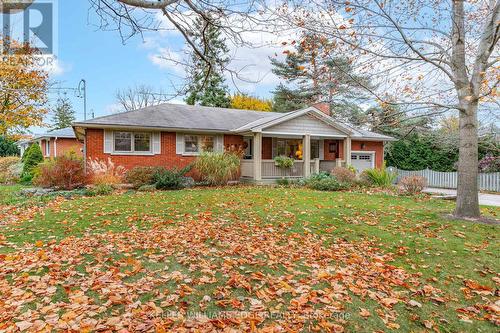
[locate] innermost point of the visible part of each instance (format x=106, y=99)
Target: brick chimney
x=323, y=107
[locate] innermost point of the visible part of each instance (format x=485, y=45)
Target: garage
x=363, y=160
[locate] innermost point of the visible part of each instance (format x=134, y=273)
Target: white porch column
x=347, y=152
x=257, y=156
x=306, y=154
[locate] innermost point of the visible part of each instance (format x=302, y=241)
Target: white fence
x=486, y=181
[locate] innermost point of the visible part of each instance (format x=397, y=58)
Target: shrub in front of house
x=323, y=181
x=170, y=179
x=101, y=189
x=344, y=175
x=217, y=168
x=105, y=172
x=283, y=182
x=147, y=188
x=381, y=177
x=327, y=184
x=64, y=172
x=411, y=185
x=10, y=169
x=31, y=158
x=140, y=175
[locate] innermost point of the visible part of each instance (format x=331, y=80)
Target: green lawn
x=315, y=260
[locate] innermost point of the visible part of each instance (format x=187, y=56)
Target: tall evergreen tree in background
x=64, y=114
x=206, y=84
x=8, y=147
x=312, y=74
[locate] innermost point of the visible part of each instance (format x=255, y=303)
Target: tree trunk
x=467, y=190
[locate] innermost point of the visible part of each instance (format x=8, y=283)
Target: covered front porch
x=312, y=153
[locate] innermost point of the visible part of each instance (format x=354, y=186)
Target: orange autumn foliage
x=24, y=88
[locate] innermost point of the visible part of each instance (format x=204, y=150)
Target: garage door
x=362, y=161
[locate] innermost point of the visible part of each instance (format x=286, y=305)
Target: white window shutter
x=179, y=143
x=157, y=143
x=219, y=143
x=321, y=149
x=108, y=142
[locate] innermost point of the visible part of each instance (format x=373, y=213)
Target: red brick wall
x=376, y=146
x=233, y=142
x=168, y=157
x=64, y=145
x=267, y=148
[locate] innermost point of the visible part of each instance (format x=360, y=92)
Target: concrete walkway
x=484, y=199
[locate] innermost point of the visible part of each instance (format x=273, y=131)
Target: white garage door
x=362, y=161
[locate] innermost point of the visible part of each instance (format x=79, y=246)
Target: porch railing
x=246, y=168
x=327, y=166
x=270, y=170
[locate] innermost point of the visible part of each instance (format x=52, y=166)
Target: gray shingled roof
x=60, y=133
x=189, y=117
x=372, y=135
x=182, y=117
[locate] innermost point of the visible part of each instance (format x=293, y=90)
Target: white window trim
x=47, y=148
x=197, y=153
x=133, y=152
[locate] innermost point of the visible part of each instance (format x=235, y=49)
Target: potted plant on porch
x=284, y=162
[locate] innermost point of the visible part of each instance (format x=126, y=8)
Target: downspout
x=84, y=152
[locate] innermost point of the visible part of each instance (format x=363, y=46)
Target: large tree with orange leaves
x=23, y=88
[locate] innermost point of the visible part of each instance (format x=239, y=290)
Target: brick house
x=58, y=142
x=173, y=135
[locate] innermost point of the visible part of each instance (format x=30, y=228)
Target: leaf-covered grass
x=287, y=251
x=9, y=194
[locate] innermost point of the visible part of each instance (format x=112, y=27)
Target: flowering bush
x=412, y=185
x=489, y=163
x=64, y=172
x=10, y=169
x=344, y=175
x=105, y=172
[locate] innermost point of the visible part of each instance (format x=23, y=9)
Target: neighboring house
x=23, y=144
x=58, y=142
x=172, y=135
